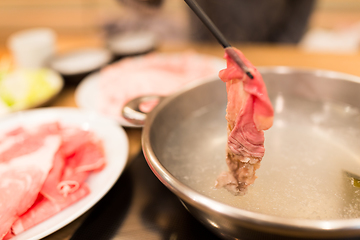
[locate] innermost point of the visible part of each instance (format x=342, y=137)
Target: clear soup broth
x=309, y=149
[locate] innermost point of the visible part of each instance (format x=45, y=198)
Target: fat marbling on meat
x=43, y=170
x=248, y=113
x=22, y=177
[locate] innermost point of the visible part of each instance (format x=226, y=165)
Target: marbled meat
x=248, y=113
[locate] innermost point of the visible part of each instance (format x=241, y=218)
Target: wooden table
x=259, y=55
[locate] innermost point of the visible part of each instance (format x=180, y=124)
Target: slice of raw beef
x=42, y=171
x=22, y=178
x=80, y=153
x=249, y=112
x=153, y=74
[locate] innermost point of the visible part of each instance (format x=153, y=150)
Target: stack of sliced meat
x=249, y=112
x=42, y=171
x=153, y=74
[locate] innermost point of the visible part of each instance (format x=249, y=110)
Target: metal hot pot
x=316, y=116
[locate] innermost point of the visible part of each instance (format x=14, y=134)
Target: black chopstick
x=218, y=35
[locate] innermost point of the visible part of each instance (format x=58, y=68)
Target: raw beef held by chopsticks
x=249, y=112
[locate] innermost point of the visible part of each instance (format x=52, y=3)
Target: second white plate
x=88, y=95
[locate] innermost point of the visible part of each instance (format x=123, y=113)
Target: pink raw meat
x=22, y=178
x=73, y=138
x=49, y=188
x=80, y=154
x=34, y=185
x=89, y=156
x=44, y=208
x=20, y=141
x=249, y=112
x=153, y=74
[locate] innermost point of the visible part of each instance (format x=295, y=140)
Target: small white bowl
x=76, y=65
x=132, y=43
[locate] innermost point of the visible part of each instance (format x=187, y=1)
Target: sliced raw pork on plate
x=153, y=74
x=23, y=170
x=42, y=171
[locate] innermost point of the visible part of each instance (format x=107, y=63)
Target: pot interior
x=314, y=142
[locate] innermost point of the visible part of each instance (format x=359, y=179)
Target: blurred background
x=92, y=19
x=321, y=34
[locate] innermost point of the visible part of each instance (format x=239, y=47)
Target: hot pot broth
x=302, y=174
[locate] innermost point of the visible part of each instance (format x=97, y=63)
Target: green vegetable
x=39, y=88
x=25, y=88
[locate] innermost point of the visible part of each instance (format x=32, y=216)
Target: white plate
x=87, y=94
x=116, y=149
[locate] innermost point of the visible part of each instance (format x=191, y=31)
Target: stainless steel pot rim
x=314, y=71
x=205, y=203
